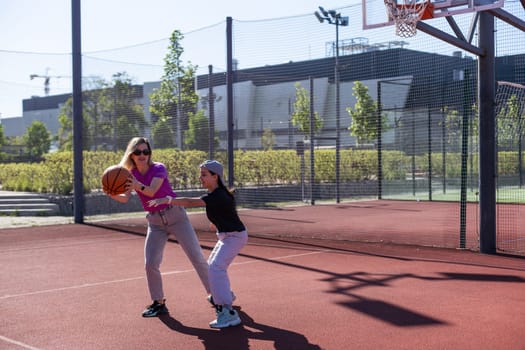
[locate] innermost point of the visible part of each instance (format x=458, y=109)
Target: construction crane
x=46, y=78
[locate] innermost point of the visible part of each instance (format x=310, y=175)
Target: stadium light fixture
x=319, y=17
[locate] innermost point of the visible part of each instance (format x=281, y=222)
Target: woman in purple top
x=150, y=181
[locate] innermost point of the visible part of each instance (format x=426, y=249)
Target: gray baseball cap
x=213, y=166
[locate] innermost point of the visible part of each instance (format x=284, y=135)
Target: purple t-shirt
x=155, y=170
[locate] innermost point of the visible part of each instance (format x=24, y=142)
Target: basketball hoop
x=406, y=15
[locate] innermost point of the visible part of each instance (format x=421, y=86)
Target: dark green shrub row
x=55, y=173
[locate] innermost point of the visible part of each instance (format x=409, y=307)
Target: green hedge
x=507, y=161
x=55, y=173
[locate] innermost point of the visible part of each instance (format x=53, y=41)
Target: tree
x=267, y=139
x=510, y=123
x=474, y=127
x=3, y=139
x=364, y=115
x=176, y=97
x=127, y=115
x=301, y=114
x=453, y=123
x=162, y=135
x=64, y=136
x=110, y=115
x=198, y=135
x=37, y=139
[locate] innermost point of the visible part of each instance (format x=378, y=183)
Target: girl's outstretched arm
x=182, y=202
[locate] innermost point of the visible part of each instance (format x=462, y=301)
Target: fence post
x=312, y=157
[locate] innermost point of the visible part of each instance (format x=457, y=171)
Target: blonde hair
x=126, y=161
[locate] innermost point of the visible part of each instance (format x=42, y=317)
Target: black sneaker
x=155, y=309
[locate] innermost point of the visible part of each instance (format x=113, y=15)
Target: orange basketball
x=114, y=180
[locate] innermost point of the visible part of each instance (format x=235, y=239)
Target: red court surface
x=83, y=287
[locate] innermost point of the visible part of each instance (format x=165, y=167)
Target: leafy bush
x=252, y=168
x=266, y=167
x=452, y=163
x=396, y=165
x=508, y=163
x=183, y=166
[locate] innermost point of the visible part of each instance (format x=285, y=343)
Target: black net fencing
x=315, y=120
x=510, y=124
x=298, y=97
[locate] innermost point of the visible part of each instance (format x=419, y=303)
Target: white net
x=405, y=15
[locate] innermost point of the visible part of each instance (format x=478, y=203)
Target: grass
x=509, y=194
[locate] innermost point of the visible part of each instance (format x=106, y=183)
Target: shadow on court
x=238, y=338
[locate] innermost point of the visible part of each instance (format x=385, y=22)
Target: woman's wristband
x=170, y=198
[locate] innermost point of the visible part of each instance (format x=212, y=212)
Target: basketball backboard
x=375, y=14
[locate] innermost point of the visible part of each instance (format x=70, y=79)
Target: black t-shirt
x=221, y=211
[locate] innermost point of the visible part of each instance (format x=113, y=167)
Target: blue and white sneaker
x=225, y=318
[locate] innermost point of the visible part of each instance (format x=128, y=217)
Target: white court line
x=88, y=285
x=12, y=341
x=85, y=285
x=513, y=240
x=62, y=243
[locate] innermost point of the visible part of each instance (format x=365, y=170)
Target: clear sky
x=44, y=27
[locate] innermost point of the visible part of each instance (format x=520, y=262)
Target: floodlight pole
x=78, y=160
x=337, y=116
x=335, y=18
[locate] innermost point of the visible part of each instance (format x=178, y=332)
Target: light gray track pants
x=172, y=223
x=227, y=248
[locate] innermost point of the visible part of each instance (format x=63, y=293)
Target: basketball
x=114, y=180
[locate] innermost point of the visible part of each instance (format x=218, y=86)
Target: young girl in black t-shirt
x=231, y=233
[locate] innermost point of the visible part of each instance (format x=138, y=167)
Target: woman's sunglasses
x=145, y=152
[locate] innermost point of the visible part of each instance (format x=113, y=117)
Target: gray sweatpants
x=172, y=223
x=227, y=248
